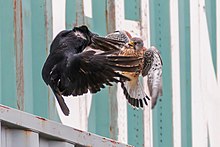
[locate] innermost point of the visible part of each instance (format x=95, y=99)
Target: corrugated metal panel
x=160, y=37
x=132, y=10
x=185, y=71
x=8, y=54
x=21, y=129
x=26, y=33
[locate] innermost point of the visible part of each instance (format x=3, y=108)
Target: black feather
x=145, y=101
x=141, y=103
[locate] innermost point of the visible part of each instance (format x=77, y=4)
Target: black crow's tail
x=61, y=102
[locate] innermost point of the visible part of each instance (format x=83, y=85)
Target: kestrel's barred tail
x=135, y=94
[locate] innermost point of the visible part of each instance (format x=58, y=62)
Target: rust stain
x=76, y=23
x=111, y=129
x=47, y=24
x=41, y=118
x=79, y=14
x=113, y=142
x=4, y=107
x=78, y=130
x=28, y=133
x=110, y=16
x=104, y=139
x=18, y=42
x=107, y=22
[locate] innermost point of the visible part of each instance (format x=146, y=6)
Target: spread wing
x=69, y=70
x=75, y=74
x=112, y=42
x=153, y=70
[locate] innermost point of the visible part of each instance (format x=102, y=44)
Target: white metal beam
x=54, y=130
x=175, y=49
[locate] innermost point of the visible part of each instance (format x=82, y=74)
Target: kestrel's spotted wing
x=120, y=35
x=153, y=70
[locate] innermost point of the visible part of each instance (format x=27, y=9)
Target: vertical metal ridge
x=135, y=126
x=113, y=110
x=8, y=54
x=110, y=16
x=18, y=34
x=113, y=102
x=160, y=37
x=185, y=73
x=175, y=51
x=100, y=107
x=39, y=46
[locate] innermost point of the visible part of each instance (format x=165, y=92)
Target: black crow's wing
x=91, y=71
x=68, y=73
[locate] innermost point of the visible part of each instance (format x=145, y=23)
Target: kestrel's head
x=136, y=43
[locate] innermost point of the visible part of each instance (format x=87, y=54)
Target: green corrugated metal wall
x=185, y=71
x=26, y=33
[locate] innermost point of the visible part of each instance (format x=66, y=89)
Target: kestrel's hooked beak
x=131, y=44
